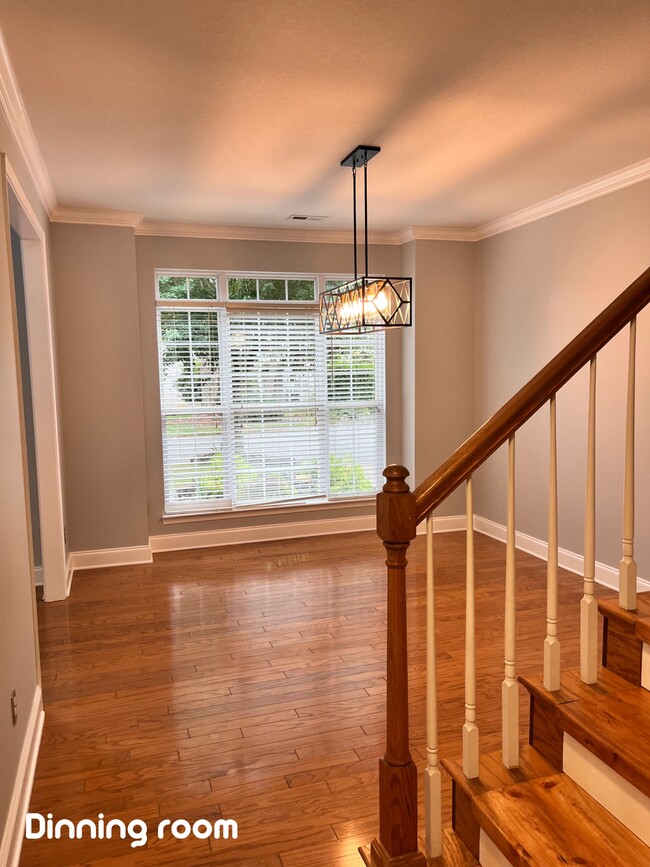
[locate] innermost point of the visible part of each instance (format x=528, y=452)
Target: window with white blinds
x=258, y=408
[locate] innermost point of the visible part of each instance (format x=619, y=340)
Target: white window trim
x=267, y=511
x=230, y=511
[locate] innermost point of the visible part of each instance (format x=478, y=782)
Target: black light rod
x=354, y=218
x=365, y=210
x=360, y=156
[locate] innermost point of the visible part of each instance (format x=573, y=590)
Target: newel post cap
x=396, y=507
x=395, y=476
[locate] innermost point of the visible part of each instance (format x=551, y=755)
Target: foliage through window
x=258, y=407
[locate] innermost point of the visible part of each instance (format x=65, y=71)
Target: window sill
x=198, y=517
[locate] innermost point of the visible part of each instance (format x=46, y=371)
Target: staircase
x=579, y=791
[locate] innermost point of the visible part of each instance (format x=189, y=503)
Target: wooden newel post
x=397, y=844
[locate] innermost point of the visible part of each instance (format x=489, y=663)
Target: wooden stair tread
x=572, y=688
x=494, y=775
x=615, y=729
x=609, y=608
x=551, y=821
x=642, y=629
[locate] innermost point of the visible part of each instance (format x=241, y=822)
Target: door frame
x=42, y=359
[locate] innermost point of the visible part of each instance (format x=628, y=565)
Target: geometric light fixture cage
x=365, y=303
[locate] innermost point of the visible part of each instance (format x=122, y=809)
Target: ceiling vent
x=304, y=217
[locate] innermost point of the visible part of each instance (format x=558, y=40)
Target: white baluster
x=470, y=729
x=509, y=690
x=552, y=644
x=588, y=604
x=432, y=781
x=627, y=568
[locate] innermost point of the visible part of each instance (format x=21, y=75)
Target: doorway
x=28, y=406
x=33, y=303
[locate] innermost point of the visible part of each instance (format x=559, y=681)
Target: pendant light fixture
x=365, y=303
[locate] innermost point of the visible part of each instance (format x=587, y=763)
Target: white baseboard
x=106, y=557
x=69, y=576
x=260, y=533
x=605, y=575
x=14, y=832
x=102, y=559
x=38, y=576
x=444, y=524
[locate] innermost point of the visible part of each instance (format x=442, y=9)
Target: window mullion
x=227, y=402
x=322, y=411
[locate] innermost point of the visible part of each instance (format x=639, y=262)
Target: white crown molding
x=431, y=233
x=164, y=229
x=14, y=111
x=618, y=180
x=316, y=236
x=96, y=217
x=13, y=108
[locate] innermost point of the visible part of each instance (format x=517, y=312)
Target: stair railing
x=399, y=511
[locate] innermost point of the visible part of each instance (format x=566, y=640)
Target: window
x=258, y=408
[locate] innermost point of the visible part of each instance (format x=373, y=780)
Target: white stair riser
x=489, y=853
x=619, y=797
x=645, y=667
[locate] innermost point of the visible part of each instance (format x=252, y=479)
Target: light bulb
x=380, y=300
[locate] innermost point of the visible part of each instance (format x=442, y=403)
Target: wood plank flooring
x=248, y=682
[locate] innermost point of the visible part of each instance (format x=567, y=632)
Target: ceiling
x=238, y=112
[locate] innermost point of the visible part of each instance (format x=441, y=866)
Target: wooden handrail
x=525, y=403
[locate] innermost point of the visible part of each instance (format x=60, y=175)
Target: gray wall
x=537, y=286
x=100, y=385
x=19, y=666
x=159, y=252
x=438, y=362
x=487, y=317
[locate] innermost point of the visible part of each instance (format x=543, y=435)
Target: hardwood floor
x=248, y=683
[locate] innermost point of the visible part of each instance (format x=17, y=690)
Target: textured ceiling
x=239, y=111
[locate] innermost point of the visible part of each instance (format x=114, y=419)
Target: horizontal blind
x=278, y=430
x=259, y=408
x=356, y=413
x=194, y=418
